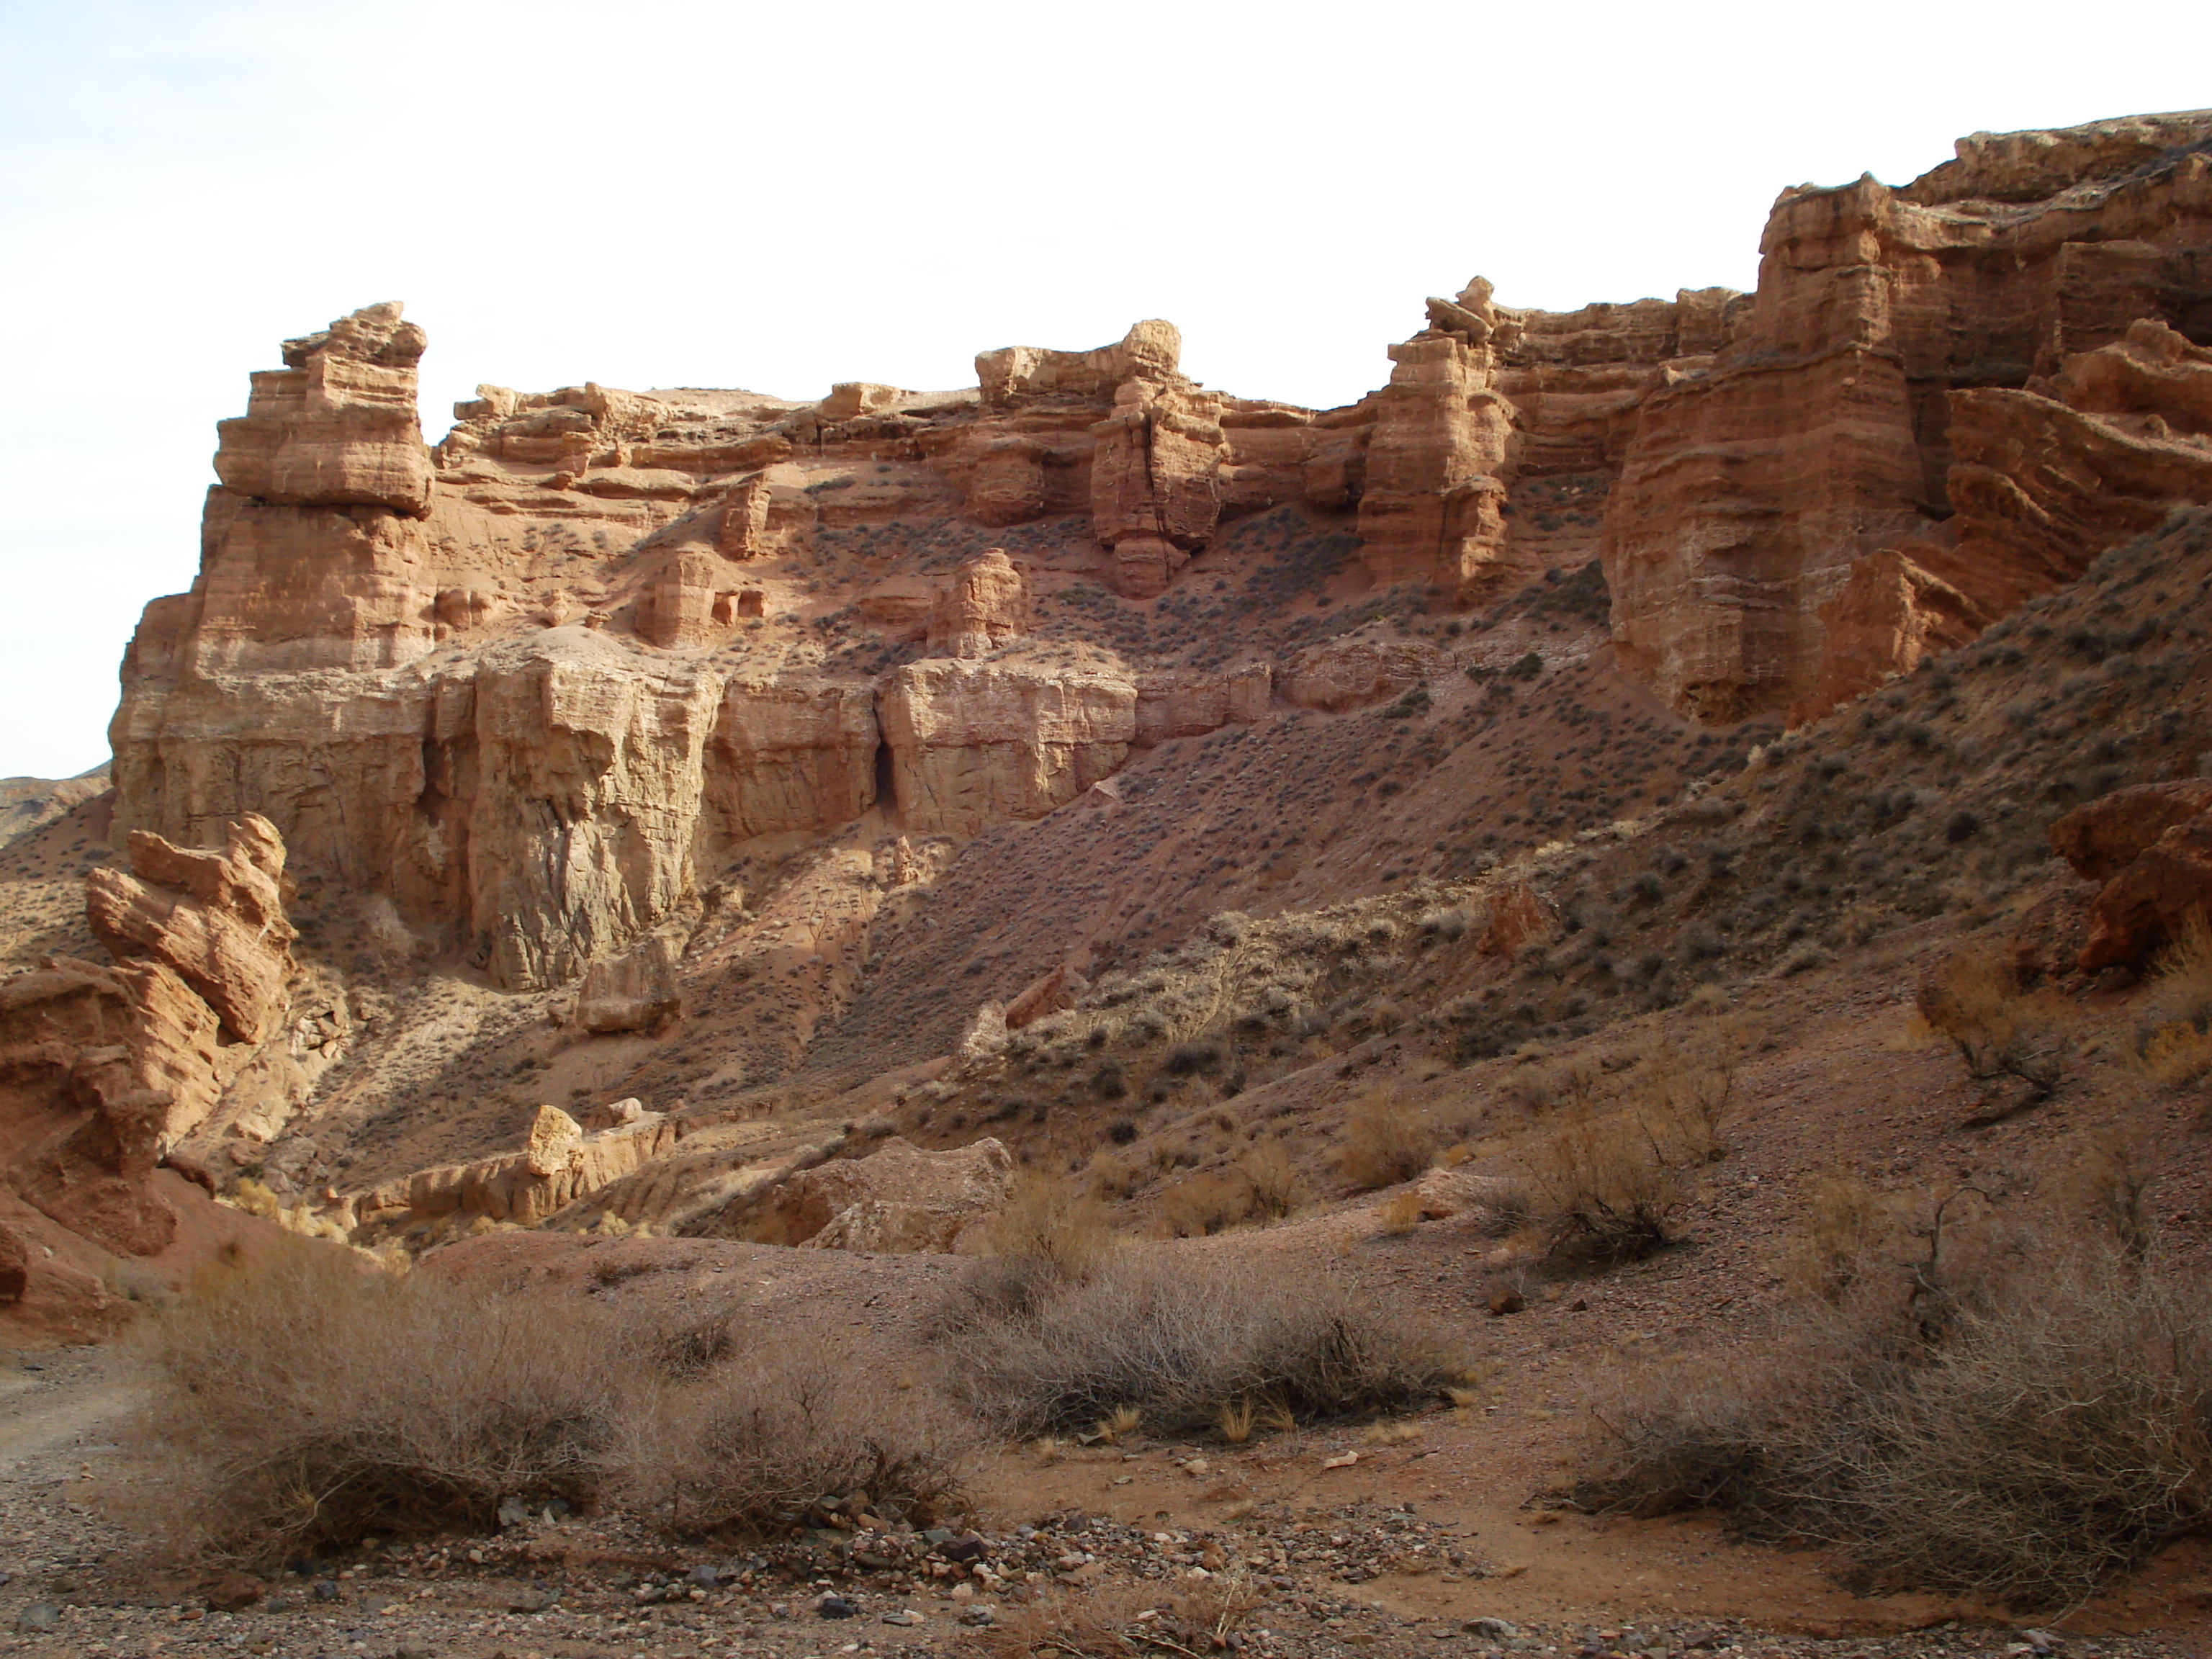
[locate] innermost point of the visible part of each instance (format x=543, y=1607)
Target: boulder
x=898, y=1198
x=554, y=1140
x=1519, y=917
x=2164, y=888
x=2100, y=838
x=637, y=991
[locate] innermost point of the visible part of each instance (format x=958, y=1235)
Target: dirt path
x=56, y=1406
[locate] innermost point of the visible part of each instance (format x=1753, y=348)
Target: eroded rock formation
x=104, y=1070
x=538, y=688
x=1910, y=355
x=898, y=1199
x=2150, y=846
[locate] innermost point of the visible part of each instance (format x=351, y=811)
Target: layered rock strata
x=1780, y=537
x=104, y=1069
x=538, y=688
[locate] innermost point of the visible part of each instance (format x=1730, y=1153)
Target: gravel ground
x=73, y=1583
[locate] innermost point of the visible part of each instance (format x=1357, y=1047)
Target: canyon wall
x=539, y=686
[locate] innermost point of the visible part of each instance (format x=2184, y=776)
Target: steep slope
x=838, y=732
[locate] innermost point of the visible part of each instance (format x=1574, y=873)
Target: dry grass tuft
x=1387, y=1141
x=2174, y=1034
x=752, y=1442
x=1398, y=1214
x=1050, y=1222
x=1199, y=1616
x=1180, y=1340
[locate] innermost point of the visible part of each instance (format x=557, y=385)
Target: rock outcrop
x=986, y=606
x=1150, y=350
x=538, y=688
x=2151, y=848
x=336, y=426
x=217, y=919
x=1155, y=482
x=104, y=1070
x=898, y=1200
x=1911, y=355
x=1432, y=509
x=978, y=742
x=559, y=1164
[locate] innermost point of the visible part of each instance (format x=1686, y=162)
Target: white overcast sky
x=654, y=192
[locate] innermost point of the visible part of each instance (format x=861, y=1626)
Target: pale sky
x=657, y=192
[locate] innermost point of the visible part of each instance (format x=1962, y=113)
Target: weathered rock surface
x=636, y=991
x=764, y=512
x=1155, y=482
x=977, y=742
x=216, y=918
x=1150, y=350
x=538, y=688
x=336, y=426
x=2151, y=847
x=104, y=1070
x=1432, y=511
x=1353, y=673
x=560, y=1164
x=1909, y=356
x=791, y=752
x=2100, y=838
x=2164, y=888
x=986, y=605
x=898, y=1199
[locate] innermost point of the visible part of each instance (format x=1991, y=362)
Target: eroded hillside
x=1092, y=749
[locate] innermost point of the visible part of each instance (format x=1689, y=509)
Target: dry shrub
x=1048, y=1221
x=1118, y=1622
x=1208, y=1202
x=1050, y=1234
x=1278, y=1190
x=302, y=1399
x=1685, y=1089
x=1975, y=1002
x=1398, y=1214
x=1609, y=1189
x=1967, y=1406
x=1536, y=1087
x=752, y=1442
x=1387, y=1141
x=1180, y=1339
x=2173, y=1035
x=257, y=1198
x=1113, y=1176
